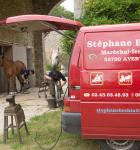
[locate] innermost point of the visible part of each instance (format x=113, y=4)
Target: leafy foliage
x=48, y=67
x=67, y=44
x=111, y=12
x=62, y=12
x=98, y=12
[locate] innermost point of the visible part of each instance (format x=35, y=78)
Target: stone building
x=26, y=47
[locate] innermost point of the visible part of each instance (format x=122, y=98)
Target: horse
x=12, y=70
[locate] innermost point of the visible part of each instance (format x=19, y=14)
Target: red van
x=104, y=79
x=104, y=86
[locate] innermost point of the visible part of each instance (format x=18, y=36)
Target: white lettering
x=105, y=44
x=115, y=52
x=137, y=42
x=129, y=43
x=131, y=58
x=134, y=51
x=99, y=44
x=112, y=59
x=89, y=44
x=109, y=43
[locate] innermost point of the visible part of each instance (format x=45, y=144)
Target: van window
x=112, y=50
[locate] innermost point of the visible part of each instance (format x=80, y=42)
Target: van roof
x=116, y=27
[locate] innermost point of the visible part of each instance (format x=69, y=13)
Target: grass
x=47, y=127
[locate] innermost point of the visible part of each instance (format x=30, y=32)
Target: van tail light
x=67, y=106
x=72, y=97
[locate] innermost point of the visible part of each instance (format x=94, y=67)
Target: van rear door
x=27, y=23
x=110, y=85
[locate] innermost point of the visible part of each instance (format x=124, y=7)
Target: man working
x=25, y=73
x=54, y=78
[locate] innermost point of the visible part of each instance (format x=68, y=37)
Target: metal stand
x=43, y=88
x=14, y=111
x=54, y=99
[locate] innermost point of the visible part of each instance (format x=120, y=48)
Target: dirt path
x=31, y=104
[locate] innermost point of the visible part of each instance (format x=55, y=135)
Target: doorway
x=5, y=50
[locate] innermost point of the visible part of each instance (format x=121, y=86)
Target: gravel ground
x=31, y=104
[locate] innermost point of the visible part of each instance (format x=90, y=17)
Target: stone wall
x=52, y=41
x=16, y=7
x=11, y=38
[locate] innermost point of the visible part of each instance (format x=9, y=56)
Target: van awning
x=44, y=23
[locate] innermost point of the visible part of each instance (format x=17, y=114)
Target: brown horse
x=20, y=66
x=12, y=70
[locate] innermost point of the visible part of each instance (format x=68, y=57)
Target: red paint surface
x=37, y=23
x=109, y=94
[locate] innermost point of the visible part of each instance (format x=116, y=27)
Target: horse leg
x=21, y=81
x=8, y=85
x=21, y=86
x=12, y=84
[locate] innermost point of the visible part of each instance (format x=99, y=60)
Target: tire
x=119, y=145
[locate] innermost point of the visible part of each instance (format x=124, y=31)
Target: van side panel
x=110, y=120
x=110, y=85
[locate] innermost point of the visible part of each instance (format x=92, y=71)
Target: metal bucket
x=52, y=103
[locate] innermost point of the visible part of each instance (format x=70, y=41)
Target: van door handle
x=75, y=87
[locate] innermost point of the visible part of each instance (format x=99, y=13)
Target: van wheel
x=119, y=145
